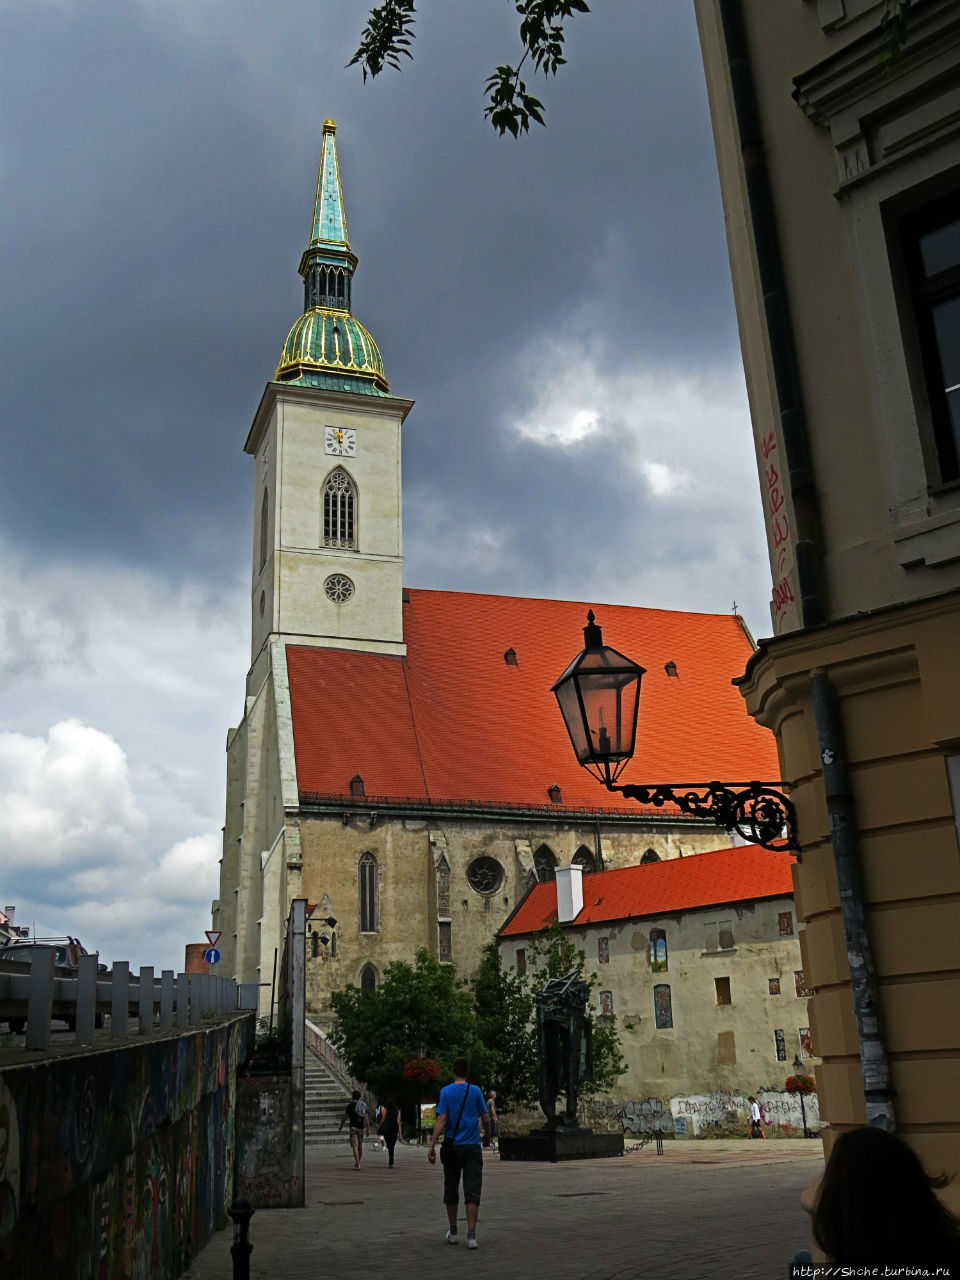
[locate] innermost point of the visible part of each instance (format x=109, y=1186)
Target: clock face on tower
x=340, y=440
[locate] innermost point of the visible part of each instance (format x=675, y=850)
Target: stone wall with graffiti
x=716, y=1115
x=267, y=1172
x=118, y=1165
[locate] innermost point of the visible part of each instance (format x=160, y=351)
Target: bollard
x=241, y=1249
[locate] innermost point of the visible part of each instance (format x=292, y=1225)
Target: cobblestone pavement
x=721, y=1210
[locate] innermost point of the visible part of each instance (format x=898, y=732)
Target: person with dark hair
x=461, y=1153
x=876, y=1206
x=356, y=1114
x=389, y=1128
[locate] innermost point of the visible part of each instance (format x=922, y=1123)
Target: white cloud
x=119, y=688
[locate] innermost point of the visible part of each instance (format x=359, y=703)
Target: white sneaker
x=472, y=1242
x=452, y=1237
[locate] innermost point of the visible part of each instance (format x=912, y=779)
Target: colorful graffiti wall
x=118, y=1165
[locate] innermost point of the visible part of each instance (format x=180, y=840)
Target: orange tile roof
x=653, y=889
x=452, y=722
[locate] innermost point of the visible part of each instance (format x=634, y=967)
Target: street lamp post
x=798, y=1067
x=599, y=699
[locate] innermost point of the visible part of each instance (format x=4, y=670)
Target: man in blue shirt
x=460, y=1113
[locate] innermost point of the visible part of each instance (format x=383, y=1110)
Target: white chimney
x=569, y=893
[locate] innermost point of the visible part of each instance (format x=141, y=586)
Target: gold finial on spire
x=329, y=126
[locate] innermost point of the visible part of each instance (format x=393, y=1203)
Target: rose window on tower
x=338, y=588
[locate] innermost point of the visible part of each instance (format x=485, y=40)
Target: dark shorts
x=467, y=1160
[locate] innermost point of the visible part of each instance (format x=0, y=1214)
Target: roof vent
x=510, y=658
x=555, y=794
x=356, y=786
x=671, y=669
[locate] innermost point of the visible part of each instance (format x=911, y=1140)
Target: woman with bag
x=389, y=1127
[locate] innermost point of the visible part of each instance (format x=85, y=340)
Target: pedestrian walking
x=461, y=1111
x=492, y=1113
x=356, y=1114
x=756, y=1129
x=389, y=1128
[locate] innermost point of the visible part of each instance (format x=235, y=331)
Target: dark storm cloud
x=161, y=160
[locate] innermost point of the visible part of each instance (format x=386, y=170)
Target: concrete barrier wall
x=118, y=1165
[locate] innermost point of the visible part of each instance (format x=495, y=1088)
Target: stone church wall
x=447, y=885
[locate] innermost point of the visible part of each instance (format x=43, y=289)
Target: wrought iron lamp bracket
x=758, y=811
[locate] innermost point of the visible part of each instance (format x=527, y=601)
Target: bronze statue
x=565, y=1043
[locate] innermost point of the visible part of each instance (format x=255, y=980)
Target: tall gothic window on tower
x=545, y=864
x=339, y=511
x=368, y=893
x=264, y=516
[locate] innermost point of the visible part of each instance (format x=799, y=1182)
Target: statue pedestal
x=561, y=1144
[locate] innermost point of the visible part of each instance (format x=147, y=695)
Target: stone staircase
x=325, y=1099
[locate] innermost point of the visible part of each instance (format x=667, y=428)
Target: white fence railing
x=321, y=1046
x=33, y=992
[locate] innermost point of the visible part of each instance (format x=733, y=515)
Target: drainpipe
x=877, y=1090
x=783, y=356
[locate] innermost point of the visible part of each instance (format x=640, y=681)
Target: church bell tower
x=327, y=545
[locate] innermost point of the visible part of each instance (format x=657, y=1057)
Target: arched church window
x=368, y=978
x=651, y=855
x=339, y=511
x=264, y=516
x=662, y=1007
x=584, y=858
x=314, y=945
x=368, y=893
x=545, y=864
x=658, y=951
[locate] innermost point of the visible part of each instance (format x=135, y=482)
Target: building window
x=785, y=924
x=485, y=875
x=650, y=855
x=333, y=946
x=264, y=518
x=658, y=951
x=931, y=245
x=446, y=942
x=368, y=893
x=368, y=978
x=314, y=945
x=806, y=1045
x=606, y=1004
x=662, y=1007
x=339, y=511
x=773, y=985
x=603, y=950
x=780, y=1042
x=584, y=858
x=521, y=961
x=802, y=989
x=338, y=588
x=725, y=935
x=545, y=864
x=722, y=986
x=443, y=888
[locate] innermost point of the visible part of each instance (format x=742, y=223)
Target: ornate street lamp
x=599, y=697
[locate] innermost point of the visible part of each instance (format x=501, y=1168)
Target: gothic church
x=400, y=761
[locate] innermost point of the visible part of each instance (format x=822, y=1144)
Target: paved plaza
x=711, y=1210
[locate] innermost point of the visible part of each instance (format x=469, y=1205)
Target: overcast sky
x=560, y=309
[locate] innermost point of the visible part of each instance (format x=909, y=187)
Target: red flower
x=422, y=1070
x=800, y=1084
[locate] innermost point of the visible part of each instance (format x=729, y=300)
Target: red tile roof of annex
x=725, y=876
x=453, y=722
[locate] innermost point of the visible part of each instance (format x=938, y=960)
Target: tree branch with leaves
x=510, y=106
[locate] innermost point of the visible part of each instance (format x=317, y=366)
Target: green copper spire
x=327, y=264
x=327, y=347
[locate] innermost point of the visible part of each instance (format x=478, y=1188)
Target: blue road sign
x=211, y=956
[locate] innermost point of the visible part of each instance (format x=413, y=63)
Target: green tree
x=504, y=1008
x=379, y=1030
